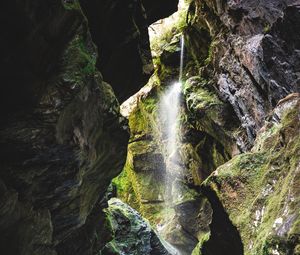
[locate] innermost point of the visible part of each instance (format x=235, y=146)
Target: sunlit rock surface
x=143, y=183
x=240, y=63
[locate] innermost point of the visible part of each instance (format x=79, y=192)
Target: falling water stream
x=181, y=58
x=169, y=119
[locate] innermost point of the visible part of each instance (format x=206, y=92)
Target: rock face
x=253, y=55
x=241, y=61
x=62, y=138
x=131, y=234
x=141, y=184
x=260, y=190
x=203, y=147
x=251, y=63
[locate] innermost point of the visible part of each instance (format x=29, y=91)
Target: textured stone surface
x=203, y=147
x=62, y=138
x=253, y=57
x=142, y=183
x=240, y=63
x=260, y=190
x=130, y=232
x=64, y=141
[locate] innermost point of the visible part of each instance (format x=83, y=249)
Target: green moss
x=187, y=194
x=132, y=179
x=137, y=187
x=168, y=33
x=295, y=229
x=131, y=233
x=206, y=114
x=138, y=123
x=142, y=177
x=260, y=189
x=204, y=238
x=149, y=104
x=267, y=28
x=125, y=189
x=198, y=96
x=79, y=61
x=142, y=120
x=71, y=5
x=211, y=50
x=297, y=250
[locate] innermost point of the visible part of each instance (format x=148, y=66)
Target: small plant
x=267, y=28
x=210, y=52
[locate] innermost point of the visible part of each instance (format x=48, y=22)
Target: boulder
x=131, y=234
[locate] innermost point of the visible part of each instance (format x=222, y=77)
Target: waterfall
x=169, y=120
x=181, y=58
x=169, y=111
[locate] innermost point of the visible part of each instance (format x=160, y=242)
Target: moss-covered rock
x=199, y=151
x=64, y=141
x=143, y=174
x=131, y=234
x=209, y=114
x=234, y=51
x=260, y=189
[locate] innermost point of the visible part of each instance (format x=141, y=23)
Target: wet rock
x=130, y=232
x=176, y=235
x=143, y=176
x=208, y=113
x=195, y=216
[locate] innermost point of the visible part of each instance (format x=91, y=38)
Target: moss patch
x=259, y=190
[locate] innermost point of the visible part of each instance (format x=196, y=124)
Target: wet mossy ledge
x=144, y=160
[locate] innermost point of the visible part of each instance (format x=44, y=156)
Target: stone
x=131, y=233
x=245, y=36
x=259, y=190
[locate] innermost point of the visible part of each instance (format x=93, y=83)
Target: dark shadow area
x=224, y=238
x=120, y=31
x=32, y=40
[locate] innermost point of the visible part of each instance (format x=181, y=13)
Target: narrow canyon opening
x=175, y=211
x=149, y=127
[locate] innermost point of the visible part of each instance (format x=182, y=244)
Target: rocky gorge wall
x=240, y=95
x=252, y=56
x=66, y=65
x=62, y=138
